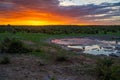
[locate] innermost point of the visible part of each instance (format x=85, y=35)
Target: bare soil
x=27, y=67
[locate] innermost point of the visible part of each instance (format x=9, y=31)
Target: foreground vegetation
x=27, y=52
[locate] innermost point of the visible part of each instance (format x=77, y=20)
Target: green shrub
x=115, y=72
x=4, y=44
x=37, y=50
x=103, y=68
x=17, y=47
x=5, y=60
x=13, y=46
x=53, y=78
x=106, y=70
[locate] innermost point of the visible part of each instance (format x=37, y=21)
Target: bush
x=5, y=60
x=61, y=59
x=53, y=78
x=106, y=70
x=13, y=46
x=4, y=44
x=17, y=47
x=103, y=69
x=115, y=72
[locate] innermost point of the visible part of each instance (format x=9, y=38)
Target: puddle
x=91, y=46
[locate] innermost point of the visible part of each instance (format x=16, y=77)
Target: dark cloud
x=37, y=4
x=6, y=6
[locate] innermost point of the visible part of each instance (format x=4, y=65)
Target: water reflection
x=91, y=46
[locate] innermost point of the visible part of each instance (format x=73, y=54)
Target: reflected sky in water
x=91, y=46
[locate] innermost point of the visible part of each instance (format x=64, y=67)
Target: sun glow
x=36, y=22
x=33, y=17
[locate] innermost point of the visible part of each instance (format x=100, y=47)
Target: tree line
x=61, y=29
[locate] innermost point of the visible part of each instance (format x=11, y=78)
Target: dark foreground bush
x=107, y=70
x=61, y=58
x=115, y=72
x=53, y=78
x=5, y=60
x=103, y=69
x=13, y=46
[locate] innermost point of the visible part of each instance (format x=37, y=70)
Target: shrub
x=4, y=44
x=106, y=70
x=17, y=47
x=61, y=58
x=103, y=69
x=5, y=60
x=13, y=46
x=53, y=78
x=37, y=50
x=115, y=72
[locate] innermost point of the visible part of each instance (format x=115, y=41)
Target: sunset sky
x=60, y=12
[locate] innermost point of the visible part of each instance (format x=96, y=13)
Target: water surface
x=91, y=46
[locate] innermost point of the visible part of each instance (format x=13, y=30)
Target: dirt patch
x=23, y=67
